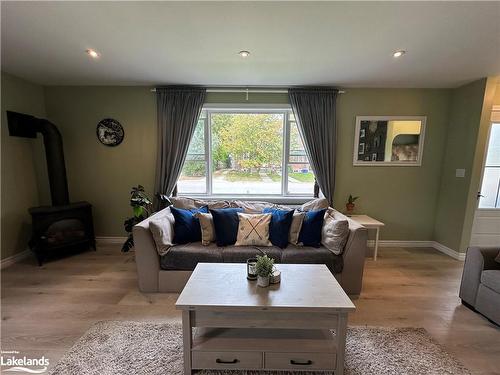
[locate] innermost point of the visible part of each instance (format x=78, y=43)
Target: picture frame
x=399, y=153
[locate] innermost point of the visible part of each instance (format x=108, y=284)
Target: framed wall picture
x=110, y=132
x=389, y=140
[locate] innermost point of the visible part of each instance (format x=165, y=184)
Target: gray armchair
x=480, y=287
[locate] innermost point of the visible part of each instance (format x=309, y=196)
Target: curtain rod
x=251, y=90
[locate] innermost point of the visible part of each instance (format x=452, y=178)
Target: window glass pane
x=493, y=157
x=194, y=174
x=300, y=174
x=247, y=150
x=490, y=188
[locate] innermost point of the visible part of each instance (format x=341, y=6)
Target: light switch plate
x=460, y=173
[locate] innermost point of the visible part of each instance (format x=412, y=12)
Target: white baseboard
x=435, y=245
x=393, y=243
x=110, y=240
x=450, y=252
x=9, y=261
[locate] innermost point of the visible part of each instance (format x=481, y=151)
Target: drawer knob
x=301, y=363
x=218, y=360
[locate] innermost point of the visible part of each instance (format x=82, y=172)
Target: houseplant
x=264, y=269
x=350, y=203
x=142, y=208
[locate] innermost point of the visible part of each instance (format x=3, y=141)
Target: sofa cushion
x=187, y=226
x=334, y=233
x=253, y=230
x=279, y=229
x=240, y=254
x=254, y=207
x=207, y=228
x=186, y=257
x=310, y=233
x=311, y=255
x=491, y=279
x=315, y=204
x=226, y=225
x=190, y=203
x=162, y=229
x=295, y=227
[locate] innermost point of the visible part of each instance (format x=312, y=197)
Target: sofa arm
x=354, y=259
x=476, y=260
x=146, y=257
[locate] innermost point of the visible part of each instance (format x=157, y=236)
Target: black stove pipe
x=26, y=126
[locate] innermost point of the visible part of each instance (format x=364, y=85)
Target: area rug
x=143, y=348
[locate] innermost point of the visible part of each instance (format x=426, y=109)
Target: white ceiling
x=291, y=43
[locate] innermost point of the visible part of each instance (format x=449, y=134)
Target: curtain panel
x=178, y=110
x=315, y=112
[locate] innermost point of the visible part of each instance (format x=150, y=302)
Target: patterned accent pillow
x=253, y=230
x=334, y=233
x=162, y=229
x=207, y=228
x=297, y=220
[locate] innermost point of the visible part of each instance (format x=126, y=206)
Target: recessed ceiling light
x=244, y=53
x=93, y=53
x=399, y=53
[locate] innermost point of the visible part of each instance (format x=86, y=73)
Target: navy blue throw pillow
x=226, y=223
x=187, y=226
x=280, y=226
x=310, y=233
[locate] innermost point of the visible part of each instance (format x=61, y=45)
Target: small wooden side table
x=370, y=223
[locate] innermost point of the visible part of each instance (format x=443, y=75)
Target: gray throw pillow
x=315, y=204
x=162, y=229
x=334, y=233
x=187, y=203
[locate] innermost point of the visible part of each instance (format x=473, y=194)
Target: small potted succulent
x=350, y=204
x=264, y=267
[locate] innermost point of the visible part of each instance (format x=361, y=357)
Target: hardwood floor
x=46, y=309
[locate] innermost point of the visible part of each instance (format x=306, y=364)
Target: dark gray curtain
x=178, y=109
x=314, y=110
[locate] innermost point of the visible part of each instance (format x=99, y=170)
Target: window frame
x=285, y=195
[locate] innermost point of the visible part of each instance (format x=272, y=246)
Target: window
x=490, y=189
x=246, y=153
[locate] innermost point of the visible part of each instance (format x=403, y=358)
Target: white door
x=486, y=227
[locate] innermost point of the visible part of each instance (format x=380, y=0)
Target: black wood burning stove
x=63, y=226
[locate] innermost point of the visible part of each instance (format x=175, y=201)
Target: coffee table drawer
x=300, y=361
x=227, y=360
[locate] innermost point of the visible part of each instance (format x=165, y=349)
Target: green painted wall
x=19, y=174
x=100, y=174
x=455, y=193
x=104, y=175
x=402, y=197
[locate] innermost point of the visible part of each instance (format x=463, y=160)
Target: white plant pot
x=263, y=281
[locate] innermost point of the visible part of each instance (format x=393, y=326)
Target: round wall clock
x=110, y=132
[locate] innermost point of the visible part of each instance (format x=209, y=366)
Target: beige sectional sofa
x=170, y=272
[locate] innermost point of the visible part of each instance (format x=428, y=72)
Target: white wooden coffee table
x=229, y=322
